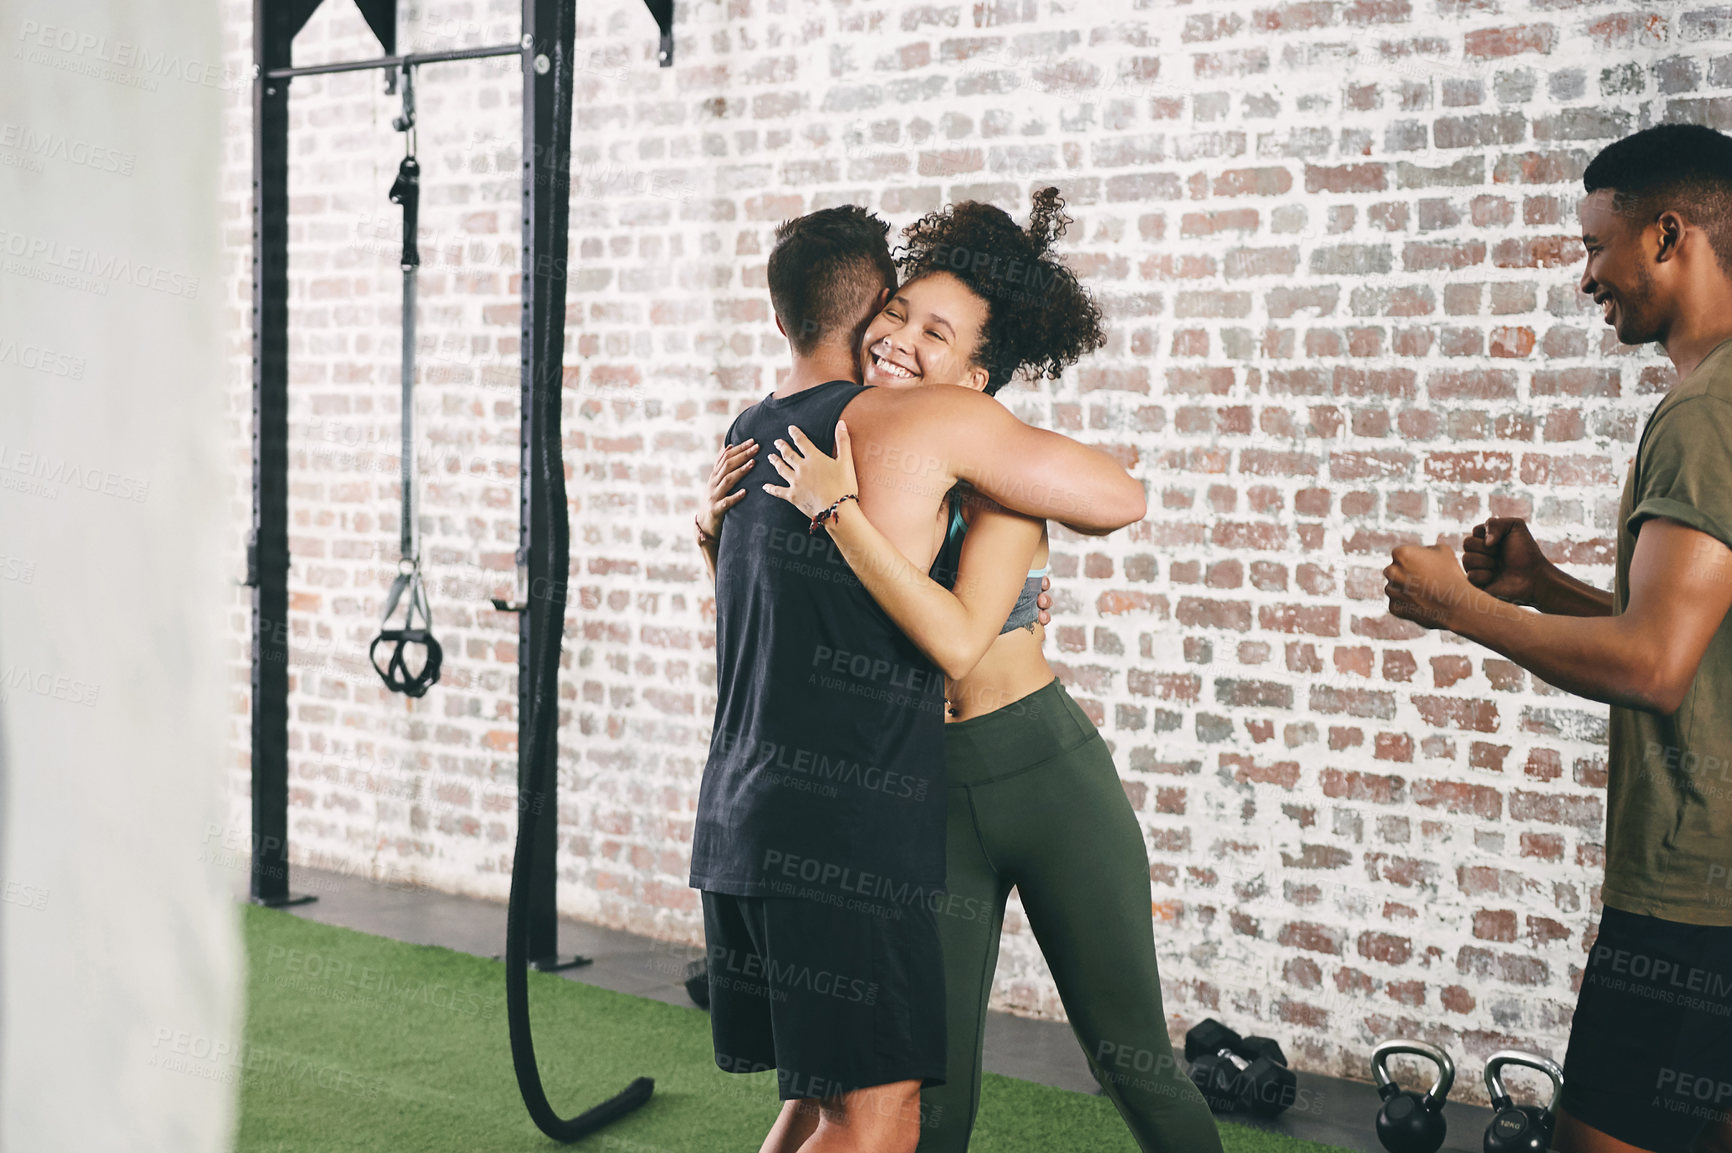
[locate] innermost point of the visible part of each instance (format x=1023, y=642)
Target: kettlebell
x=1520, y=1128
x=1410, y=1121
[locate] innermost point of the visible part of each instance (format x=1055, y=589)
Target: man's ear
x=1671, y=230
x=884, y=295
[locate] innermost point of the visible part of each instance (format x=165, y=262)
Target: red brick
x=1457, y=999
x=1580, y=812
x=1347, y=178
x=1426, y=256
x=1253, y=182
x=1452, y=712
x=1226, y=220
x=1541, y=252
x=1459, y=797
x=1385, y=948
x=1166, y=686
x=1247, y=770
x=1311, y=937
x=1327, y=700
x=1495, y=43
x=1544, y=846
x=1495, y=925
x=1476, y=384
x=1314, y=620
x=1469, y=467
x=1393, y=747
x=1446, y=671
x=1484, y=755
x=1512, y=342
x=1357, y=786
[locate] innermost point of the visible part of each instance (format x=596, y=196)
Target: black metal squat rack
x=545, y=50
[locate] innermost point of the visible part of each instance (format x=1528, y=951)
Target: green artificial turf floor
x=359, y=1044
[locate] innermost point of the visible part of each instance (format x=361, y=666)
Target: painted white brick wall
x=1335, y=246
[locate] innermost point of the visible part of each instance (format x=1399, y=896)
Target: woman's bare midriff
x=1012, y=668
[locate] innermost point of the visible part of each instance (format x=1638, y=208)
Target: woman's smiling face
x=927, y=334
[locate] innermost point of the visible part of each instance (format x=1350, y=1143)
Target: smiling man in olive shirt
x=1649, y=1065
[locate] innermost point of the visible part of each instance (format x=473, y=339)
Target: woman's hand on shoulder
x=815, y=481
x=732, y=463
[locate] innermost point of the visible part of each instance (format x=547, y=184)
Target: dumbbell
x=1520, y=1128
x=1237, y=1073
x=1410, y=1121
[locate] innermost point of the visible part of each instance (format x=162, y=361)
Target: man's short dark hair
x=826, y=272
x=1686, y=168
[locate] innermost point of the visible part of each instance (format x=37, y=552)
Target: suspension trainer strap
x=408, y=587
x=407, y=192
x=396, y=674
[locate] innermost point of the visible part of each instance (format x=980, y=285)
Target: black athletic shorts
x=1650, y=1057
x=832, y=998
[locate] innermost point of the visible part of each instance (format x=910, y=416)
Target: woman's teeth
x=888, y=369
x=1606, y=310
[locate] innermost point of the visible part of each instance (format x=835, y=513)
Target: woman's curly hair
x=1039, y=316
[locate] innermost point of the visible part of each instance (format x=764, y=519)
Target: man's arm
x=969, y=436
x=953, y=626
x=1502, y=557
x=1644, y=658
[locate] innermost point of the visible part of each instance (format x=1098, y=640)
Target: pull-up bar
x=410, y=60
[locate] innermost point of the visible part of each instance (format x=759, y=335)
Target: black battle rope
x=547, y=623
x=396, y=673
x=548, y=571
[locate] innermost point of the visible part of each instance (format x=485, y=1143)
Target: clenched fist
x=1502, y=558
x=1425, y=585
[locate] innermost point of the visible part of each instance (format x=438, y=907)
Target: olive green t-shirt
x=1669, y=779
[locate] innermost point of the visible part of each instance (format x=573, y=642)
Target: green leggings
x=1035, y=802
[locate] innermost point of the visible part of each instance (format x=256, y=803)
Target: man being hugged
x=1649, y=1065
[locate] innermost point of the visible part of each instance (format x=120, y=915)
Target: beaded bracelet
x=826, y=514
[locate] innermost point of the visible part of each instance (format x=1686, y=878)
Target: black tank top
x=825, y=777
